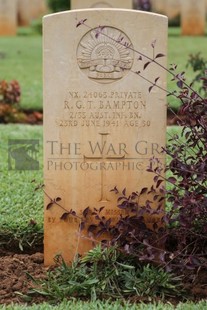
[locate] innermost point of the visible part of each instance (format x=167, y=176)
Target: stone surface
x=173, y=8
x=29, y=10
x=81, y=4
x=193, y=17
x=101, y=124
x=159, y=6
x=8, y=17
x=38, y=8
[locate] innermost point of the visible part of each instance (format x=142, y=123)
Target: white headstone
x=193, y=17
x=101, y=123
x=159, y=6
x=173, y=8
x=29, y=10
x=8, y=17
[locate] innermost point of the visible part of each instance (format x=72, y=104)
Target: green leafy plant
x=59, y=5
x=199, y=65
x=106, y=273
x=10, y=93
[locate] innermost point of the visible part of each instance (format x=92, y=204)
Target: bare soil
x=14, y=275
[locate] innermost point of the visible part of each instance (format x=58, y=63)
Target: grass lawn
x=105, y=305
x=19, y=202
x=21, y=59
x=179, y=49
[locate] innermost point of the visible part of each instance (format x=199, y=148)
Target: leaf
x=172, y=180
x=92, y=228
x=153, y=43
x=150, y=88
x=49, y=205
x=156, y=79
x=155, y=226
x=156, y=197
x=180, y=84
x=124, y=192
x=101, y=208
x=159, y=55
x=123, y=205
x=101, y=232
x=97, y=34
x=120, y=198
x=82, y=225
x=114, y=190
x=81, y=22
x=158, y=183
x=58, y=199
x=143, y=191
x=64, y=216
x=146, y=64
x=85, y=212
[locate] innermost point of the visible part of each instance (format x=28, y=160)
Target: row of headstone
x=102, y=125
x=19, y=12
x=192, y=12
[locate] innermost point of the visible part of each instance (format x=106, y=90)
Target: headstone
x=81, y=4
x=24, y=12
x=173, y=8
x=101, y=123
x=38, y=8
x=159, y=6
x=8, y=17
x=29, y=10
x=193, y=15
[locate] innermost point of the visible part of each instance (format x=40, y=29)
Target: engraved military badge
x=105, y=55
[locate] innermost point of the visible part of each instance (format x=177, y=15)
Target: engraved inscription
x=104, y=109
x=102, y=55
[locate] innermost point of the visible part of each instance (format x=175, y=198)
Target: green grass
x=106, y=305
x=19, y=203
x=179, y=49
x=80, y=305
x=23, y=61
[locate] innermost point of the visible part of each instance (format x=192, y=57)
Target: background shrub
x=59, y=5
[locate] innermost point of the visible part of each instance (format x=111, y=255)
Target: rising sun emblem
x=106, y=57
